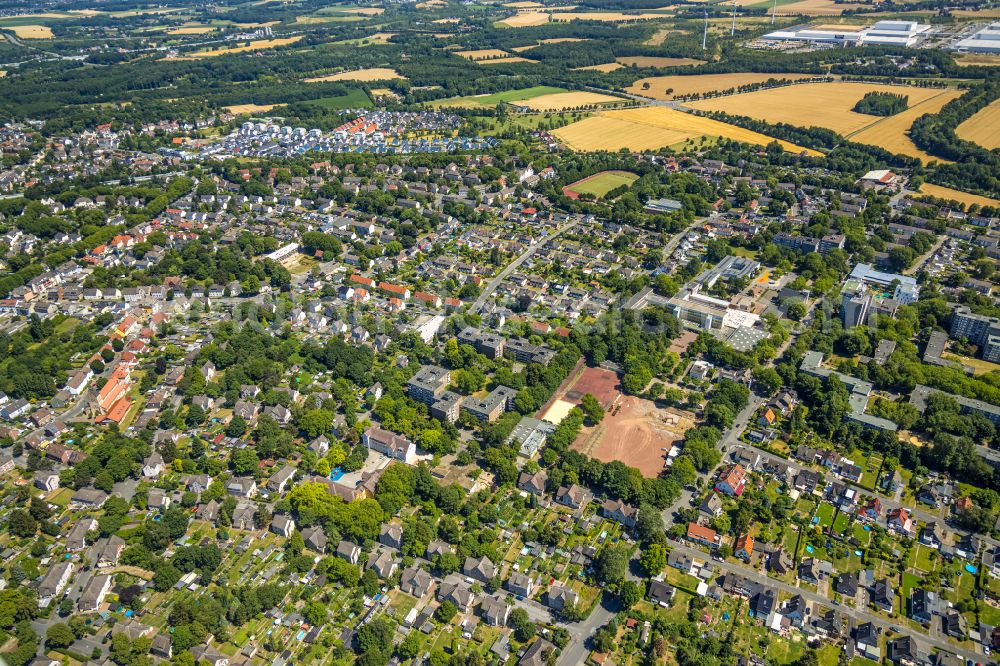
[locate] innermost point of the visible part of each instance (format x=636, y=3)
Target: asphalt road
x=495, y=282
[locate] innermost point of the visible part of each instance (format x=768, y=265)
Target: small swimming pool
x=299, y=636
x=336, y=473
x=971, y=568
x=809, y=548
x=858, y=553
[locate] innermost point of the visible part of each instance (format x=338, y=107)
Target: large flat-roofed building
x=905, y=290
x=968, y=405
x=521, y=350
x=529, y=435
x=730, y=268
x=973, y=327
x=428, y=384
x=699, y=310
x=446, y=407
x=492, y=406
x=882, y=33
x=488, y=344
x=860, y=390
x=986, y=40
x=855, y=303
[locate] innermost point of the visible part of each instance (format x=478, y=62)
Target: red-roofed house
x=702, y=534
x=732, y=481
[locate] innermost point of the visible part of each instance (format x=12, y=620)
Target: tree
x=591, y=408
x=21, y=523
x=316, y=422
x=524, y=628
x=315, y=613
x=59, y=635
x=653, y=559
x=611, y=565
x=244, y=461
x=796, y=311
x=630, y=593
x=445, y=612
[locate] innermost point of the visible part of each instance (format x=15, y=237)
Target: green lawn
x=497, y=98
x=842, y=523
x=356, y=99
x=910, y=581
x=825, y=514
x=600, y=184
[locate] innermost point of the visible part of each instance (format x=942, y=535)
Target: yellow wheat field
x=818, y=104
x=191, y=30
x=567, y=100
x=606, y=67
x=654, y=61
x=653, y=127
x=829, y=105
x=700, y=84
x=983, y=128
x=526, y=19
x=612, y=17
x=482, y=54
x=504, y=61
x=371, y=74
x=956, y=195
x=31, y=31
x=977, y=59
x=251, y=109
x=253, y=46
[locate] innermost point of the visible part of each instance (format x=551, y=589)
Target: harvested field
x=504, y=61
x=377, y=38
x=385, y=92
x=977, y=60
x=606, y=67
x=474, y=101
x=983, y=128
x=30, y=31
x=522, y=5
x=610, y=17
x=635, y=432
x=599, y=184
x=372, y=74
x=829, y=105
x=482, y=54
x=526, y=19
x=252, y=46
x=651, y=128
x=701, y=84
x=956, y=195
x=250, y=108
x=191, y=30
x=567, y=100
x=661, y=36
x=653, y=61
x=314, y=20
x=3, y=73
x=817, y=8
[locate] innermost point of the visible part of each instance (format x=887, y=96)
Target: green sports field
x=600, y=184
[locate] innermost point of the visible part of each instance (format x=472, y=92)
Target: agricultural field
x=30, y=31
x=377, y=38
x=655, y=61
x=371, y=74
x=525, y=20
x=830, y=105
x=600, y=183
x=489, y=101
x=482, y=54
x=567, y=100
x=191, y=30
x=701, y=84
x=983, y=128
x=606, y=67
x=956, y=195
x=250, y=108
x=252, y=46
x=504, y=61
x=611, y=17
x=816, y=8
x=651, y=128
x=977, y=60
